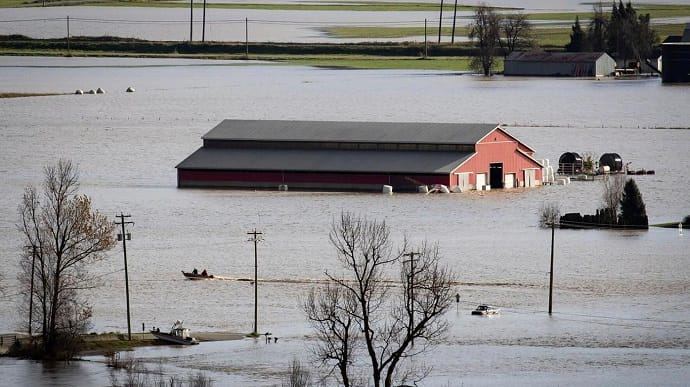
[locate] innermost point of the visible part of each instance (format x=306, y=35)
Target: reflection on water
x=614, y=290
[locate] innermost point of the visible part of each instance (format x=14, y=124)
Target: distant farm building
x=359, y=156
x=559, y=64
x=675, y=58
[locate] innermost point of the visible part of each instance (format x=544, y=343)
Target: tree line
x=624, y=33
x=494, y=33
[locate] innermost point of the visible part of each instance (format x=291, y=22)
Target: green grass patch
x=390, y=32
x=392, y=63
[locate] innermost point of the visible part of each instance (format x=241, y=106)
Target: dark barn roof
x=366, y=132
x=543, y=56
x=355, y=161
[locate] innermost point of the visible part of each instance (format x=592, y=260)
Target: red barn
x=359, y=156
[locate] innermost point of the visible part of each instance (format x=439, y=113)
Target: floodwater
x=621, y=298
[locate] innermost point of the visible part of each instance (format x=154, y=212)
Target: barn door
x=496, y=175
x=510, y=180
x=481, y=181
x=530, y=177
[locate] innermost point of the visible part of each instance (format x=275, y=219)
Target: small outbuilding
x=611, y=160
x=675, y=58
x=570, y=163
x=559, y=64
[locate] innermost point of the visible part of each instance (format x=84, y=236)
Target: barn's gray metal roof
x=331, y=131
x=560, y=57
x=319, y=160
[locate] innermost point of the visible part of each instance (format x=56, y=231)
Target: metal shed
x=559, y=64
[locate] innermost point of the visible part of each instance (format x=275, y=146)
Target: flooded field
x=623, y=312
x=306, y=26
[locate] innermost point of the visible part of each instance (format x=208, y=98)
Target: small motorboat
x=485, y=310
x=197, y=276
x=177, y=335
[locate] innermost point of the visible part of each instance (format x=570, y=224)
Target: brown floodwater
x=623, y=311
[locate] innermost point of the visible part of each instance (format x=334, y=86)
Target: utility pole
x=440, y=19
x=124, y=237
x=31, y=292
x=246, y=37
x=455, y=12
x=203, y=24
x=68, y=35
x=256, y=238
x=426, y=43
x=191, y=19
x=411, y=290
x=553, y=228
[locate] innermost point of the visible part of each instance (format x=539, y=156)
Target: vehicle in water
x=485, y=310
x=195, y=275
x=178, y=335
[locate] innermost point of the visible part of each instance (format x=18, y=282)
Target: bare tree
x=550, y=214
x=337, y=333
x=392, y=323
x=485, y=30
x=517, y=32
x=68, y=237
x=612, y=186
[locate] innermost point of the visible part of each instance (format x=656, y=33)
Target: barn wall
x=306, y=180
x=498, y=148
x=558, y=69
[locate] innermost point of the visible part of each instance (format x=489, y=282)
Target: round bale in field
x=79, y=92
x=130, y=89
x=611, y=160
x=100, y=91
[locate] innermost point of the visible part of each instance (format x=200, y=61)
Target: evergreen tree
x=633, y=210
x=596, y=33
x=578, y=40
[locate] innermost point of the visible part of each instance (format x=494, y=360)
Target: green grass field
x=326, y=61
x=545, y=36
x=392, y=63
x=391, y=32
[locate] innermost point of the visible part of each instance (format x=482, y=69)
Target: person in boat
x=204, y=273
x=195, y=271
